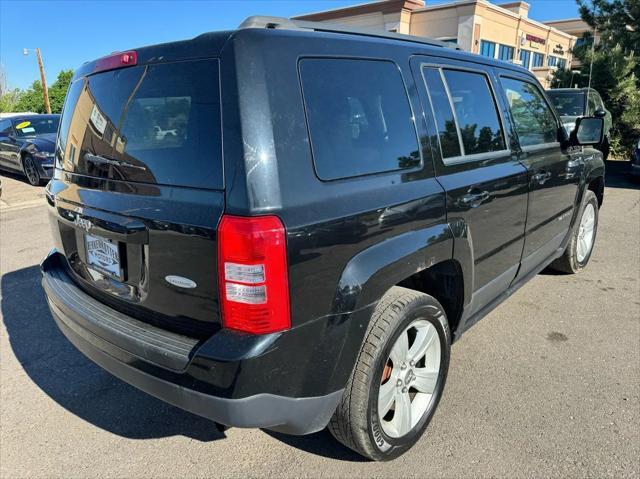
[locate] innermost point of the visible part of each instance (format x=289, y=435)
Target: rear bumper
x=134, y=354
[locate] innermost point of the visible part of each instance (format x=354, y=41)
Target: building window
x=487, y=49
x=525, y=58
x=538, y=59
x=552, y=61
x=562, y=63
x=505, y=53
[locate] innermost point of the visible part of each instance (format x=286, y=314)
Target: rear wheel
x=398, y=379
x=583, y=237
x=30, y=170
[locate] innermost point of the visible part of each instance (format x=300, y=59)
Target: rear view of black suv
x=286, y=226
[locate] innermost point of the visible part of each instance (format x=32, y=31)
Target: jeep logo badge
x=180, y=282
x=83, y=223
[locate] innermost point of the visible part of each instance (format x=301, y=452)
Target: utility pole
x=43, y=80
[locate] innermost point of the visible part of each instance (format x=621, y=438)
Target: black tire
x=356, y=423
x=30, y=170
x=568, y=262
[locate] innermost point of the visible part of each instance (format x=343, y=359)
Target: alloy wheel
x=409, y=378
x=30, y=171
x=586, y=232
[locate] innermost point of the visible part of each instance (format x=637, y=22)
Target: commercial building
x=576, y=27
x=503, y=31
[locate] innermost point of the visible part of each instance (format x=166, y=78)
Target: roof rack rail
x=260, y=21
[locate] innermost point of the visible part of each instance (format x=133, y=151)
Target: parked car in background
x=363, y=213
x=635, y=161
x=27, y=145
x=574, y=103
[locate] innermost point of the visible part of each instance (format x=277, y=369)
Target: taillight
x=117, y=60
x=253, y=280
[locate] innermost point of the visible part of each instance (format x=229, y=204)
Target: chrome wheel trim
x=30, y=171
x=586, y=232
x=406, y=394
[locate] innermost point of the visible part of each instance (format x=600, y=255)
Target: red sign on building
x=533, y=38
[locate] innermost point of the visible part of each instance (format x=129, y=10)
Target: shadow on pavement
x=77, y=384
x=321, y=444
x=16, y=176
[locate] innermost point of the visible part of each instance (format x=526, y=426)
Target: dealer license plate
x=102, y=254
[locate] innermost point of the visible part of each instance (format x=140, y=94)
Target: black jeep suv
x=287, y=225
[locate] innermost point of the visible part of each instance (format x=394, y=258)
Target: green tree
x=58, y=90
x=31, y=99
x=616, y=21
x=616, y=69
x=9, y=100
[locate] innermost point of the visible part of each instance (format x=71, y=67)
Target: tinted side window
x=65, y=120
x=533, y=119
x=443, y=114
x=599, y=102
x=593, y=103
x=476, y=112
x=359, y=117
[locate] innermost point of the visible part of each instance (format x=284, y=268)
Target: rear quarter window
x=359, y=118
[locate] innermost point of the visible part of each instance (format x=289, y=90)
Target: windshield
x=567, y=103
x=35, y=126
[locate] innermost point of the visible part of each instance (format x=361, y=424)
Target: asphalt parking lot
x=548, y=385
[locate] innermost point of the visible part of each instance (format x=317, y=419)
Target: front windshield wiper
x=101, y=160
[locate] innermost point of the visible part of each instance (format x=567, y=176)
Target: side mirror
x=600, y=113
x=588, y=131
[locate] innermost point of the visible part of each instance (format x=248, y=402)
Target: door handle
x=475, y=199
x=541, y=177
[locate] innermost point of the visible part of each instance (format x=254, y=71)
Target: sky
x=71, y=32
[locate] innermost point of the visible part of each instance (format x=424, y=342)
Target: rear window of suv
x=569, y=103
x=359, y=117
x=152, y=124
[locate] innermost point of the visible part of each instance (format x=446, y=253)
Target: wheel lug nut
x=412, y=363
x=404, y=366
x=404, y=390
x=399, y=383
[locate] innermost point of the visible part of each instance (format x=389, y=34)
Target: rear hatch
x=139, y=190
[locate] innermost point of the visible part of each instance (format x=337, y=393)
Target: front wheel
x=398, y=379
x=583, y=237
x=31, y=171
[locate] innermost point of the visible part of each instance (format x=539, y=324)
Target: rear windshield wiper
x=101, y=160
